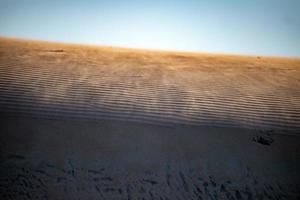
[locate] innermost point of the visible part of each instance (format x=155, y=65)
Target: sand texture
x=68, y=81
x=86, y=122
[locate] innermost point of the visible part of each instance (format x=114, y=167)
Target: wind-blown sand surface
x=84, y=122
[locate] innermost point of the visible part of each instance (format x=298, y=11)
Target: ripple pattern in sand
x=263, y=95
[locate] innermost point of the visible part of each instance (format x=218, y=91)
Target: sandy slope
x=200, y=89
x=108, y=123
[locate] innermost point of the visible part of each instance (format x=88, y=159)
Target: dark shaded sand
x=55, y=159
x=81, y=122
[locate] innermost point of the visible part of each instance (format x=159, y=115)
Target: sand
x=86, y=122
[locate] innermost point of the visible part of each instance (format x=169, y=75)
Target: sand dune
x=59, y=81
x=86, y=122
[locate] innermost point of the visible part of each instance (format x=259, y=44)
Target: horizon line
x=147, y=49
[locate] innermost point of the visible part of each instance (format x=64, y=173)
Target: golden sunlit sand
x=150, y=86
x=112, y=123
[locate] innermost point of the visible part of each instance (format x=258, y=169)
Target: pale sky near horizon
x=259, y=27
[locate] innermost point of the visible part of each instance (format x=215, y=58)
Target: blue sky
x=259, y=27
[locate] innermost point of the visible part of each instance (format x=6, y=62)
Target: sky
x=256, y=27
